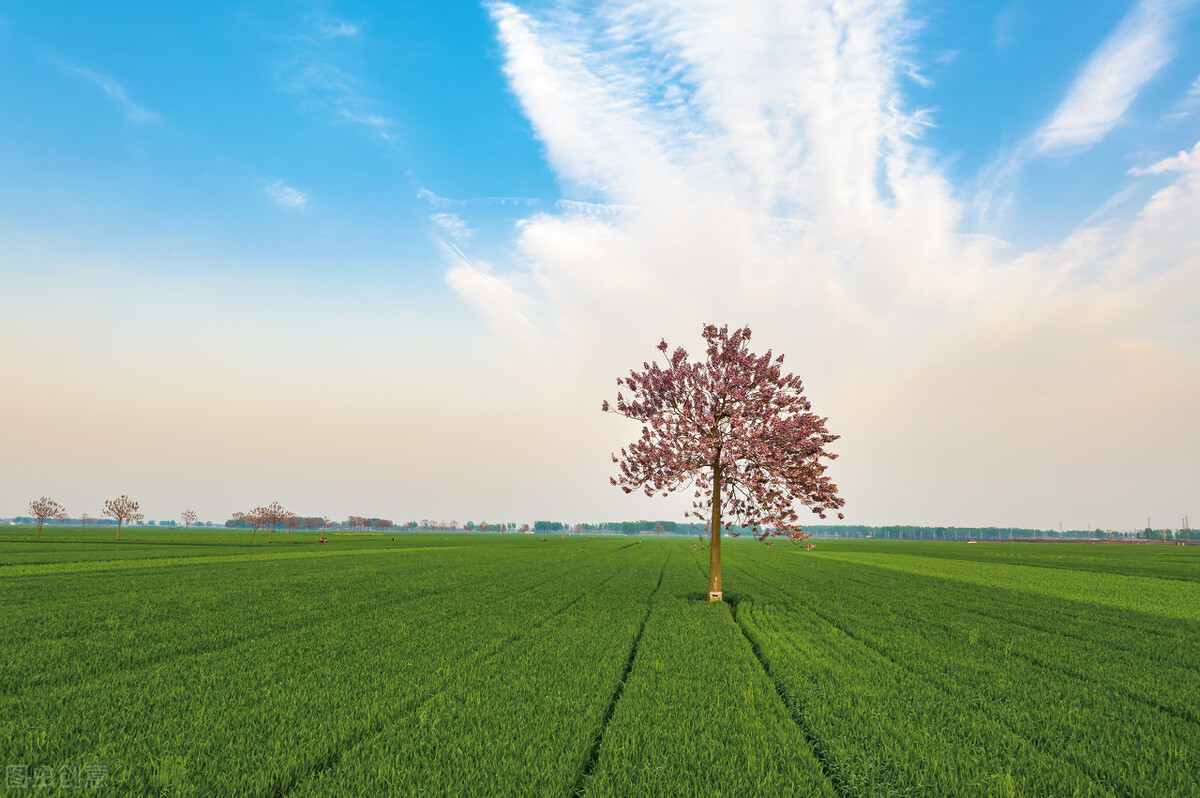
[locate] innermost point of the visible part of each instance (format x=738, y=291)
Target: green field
x=531, y=665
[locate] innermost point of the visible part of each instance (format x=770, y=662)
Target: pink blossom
x=733, y=424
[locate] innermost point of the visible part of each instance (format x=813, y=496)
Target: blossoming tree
x=123, y=510
x=734, y=428
x=270, y=518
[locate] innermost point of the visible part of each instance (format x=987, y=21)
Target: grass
x=468, y=665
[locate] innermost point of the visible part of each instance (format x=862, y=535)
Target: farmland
x=543, y=665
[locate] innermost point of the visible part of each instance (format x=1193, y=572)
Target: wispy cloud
x=769, y=169
x=1007, y=25
x=310, y=69
x=591, y=208
x=115, y=91
x=1188, y=104
x=285, y=196
x=439, y=201
x=333, y=28
x=1184, y=161
x=725, y=149
x=1099, y=97
x=507, y=309
x=1112, y=78
x=452, y=225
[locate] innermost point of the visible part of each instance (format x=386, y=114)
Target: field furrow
x=556, y=666
x=698, y=715
x=1036, y=689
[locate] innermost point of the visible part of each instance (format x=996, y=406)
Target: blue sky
x=154, y=118
x=389, y=229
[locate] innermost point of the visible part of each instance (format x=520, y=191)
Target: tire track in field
x=288, y=786
x=199, y=648
x=193, y=650
x=1176, y=599
x=1001, y=603
x=262, y=579
x=794, y=712
x=1184, y=714
x=533, y=571
x=1036, y=743
x=594, y=753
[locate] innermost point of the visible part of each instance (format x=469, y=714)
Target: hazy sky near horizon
x=389, y=260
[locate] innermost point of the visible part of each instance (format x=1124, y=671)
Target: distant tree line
x=989, y=533
x=1168, y=534
x=46, y=510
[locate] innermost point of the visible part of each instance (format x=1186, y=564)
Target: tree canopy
x=735, y=430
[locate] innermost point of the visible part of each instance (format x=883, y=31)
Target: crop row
x=1152, y=656
x=1173, y=598
x=78, y=626
x=520, y=722
x=1159, y=562
x=298, y=662
x=698, y=714
x=908, y=686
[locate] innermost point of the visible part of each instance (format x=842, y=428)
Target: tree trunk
x=118, y=529
x=39, y=532
x=270, y=534
x=714, y=547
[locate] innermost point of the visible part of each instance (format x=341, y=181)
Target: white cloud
x=1184, y=161
x=1188, y=104
x=379, y=124
x=115, y=91
x=755, y=158
x=285, y=196
x=445, y=202
x=310, y=69
x=1007, y=25
x=768, y=169
x=435, y=200
x=507, y=309
x=337, y=29
x=1112, y=77
x=591, y=208
x=452, y=225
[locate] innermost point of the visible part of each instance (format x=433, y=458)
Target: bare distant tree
x=123, y=510
x=523, y=528
x=238, y=520
x=84, y=519
x=44, y=508
x=189, y=517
